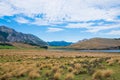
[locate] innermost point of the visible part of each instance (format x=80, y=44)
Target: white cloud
x=40, y=22
x=104, y=4
x=96, y=29
x=21, y=20
x=54, y=29
x=79, y=25
x=6, y=10
x=114, y=32
x=62, y=10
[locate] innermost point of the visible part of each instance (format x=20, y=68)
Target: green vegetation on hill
x=19, y=46
x=7, y=47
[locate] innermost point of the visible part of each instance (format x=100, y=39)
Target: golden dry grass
x=33, y=64
x=102, y=74
x=57, y=76
x=35, y=53
x=69, y=76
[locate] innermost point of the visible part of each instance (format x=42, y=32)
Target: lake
x=117, y=51
x=110, y=51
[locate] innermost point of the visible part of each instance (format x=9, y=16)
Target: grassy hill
x=97, y=43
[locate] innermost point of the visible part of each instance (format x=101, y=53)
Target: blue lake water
x=110, y=51
x=117, y=51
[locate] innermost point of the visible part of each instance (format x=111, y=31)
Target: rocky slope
x=10, y=35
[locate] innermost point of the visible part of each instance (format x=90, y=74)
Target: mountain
x=97, y=43
x=8, y=35
x=59, y=43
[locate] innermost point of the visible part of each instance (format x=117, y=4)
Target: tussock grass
x=57, y=76
x=107, y=73
x=97, y=75
x=48, y=65
x=77, y=66
x=6, y=76
x=33, y=74
x=70, y=69
x=55, y=69
x=102, y=74
x=47, y=73
x=69, y=76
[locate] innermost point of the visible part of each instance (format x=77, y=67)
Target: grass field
x=7, y=47
x=35, y=64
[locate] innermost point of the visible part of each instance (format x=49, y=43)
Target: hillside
x=8, y=35
x=97, y=43
x=59, y=43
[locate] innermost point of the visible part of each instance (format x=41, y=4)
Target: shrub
x=69, y=76
x=102, y=74
x=34, y=74
x=57, y=76
x=97, y=75
x=119, y=62
x=76, y=72
x=77, y=66
x=49, y=66
x=70, y=69
x=107, y=73
x=55, y=69
x=6, y=76
x=110, y=62
x=38, y=64
x=48, y=73
x=20, y=73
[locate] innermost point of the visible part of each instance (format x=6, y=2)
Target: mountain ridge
x=97, y=43
x=10, y=35
x=59, y=43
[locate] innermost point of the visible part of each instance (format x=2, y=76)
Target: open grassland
x=7, y=47
x=35, y=64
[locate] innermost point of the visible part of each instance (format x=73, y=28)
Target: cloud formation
x=54, y=29
x=21, y=20
x=114, y=32
x=56, y=12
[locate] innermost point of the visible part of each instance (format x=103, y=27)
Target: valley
x=59, y=39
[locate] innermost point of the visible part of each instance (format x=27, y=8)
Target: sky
x=68, y=20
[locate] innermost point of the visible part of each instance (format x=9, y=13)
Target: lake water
x=117, y=51
x=110, y=51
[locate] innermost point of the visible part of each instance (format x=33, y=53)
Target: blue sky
x=56, y=20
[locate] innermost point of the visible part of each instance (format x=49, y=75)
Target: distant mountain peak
x=6, y=29
x=10, y=35
x=59, y=43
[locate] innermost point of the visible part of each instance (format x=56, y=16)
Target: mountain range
x=59, y=43
x=8, y=35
